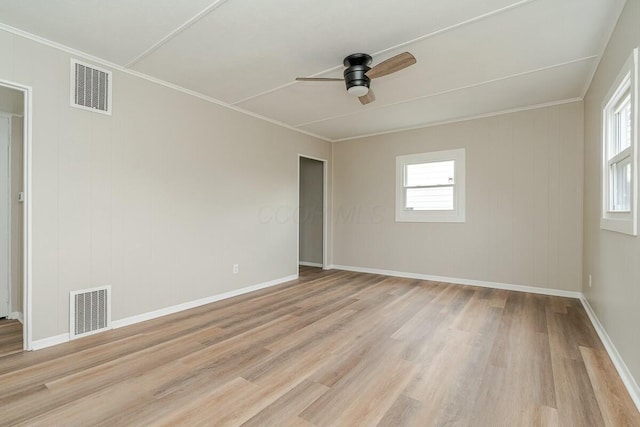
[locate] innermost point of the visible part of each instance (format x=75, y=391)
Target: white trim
x=49, y=341
x=16, y=315
x=466, y=282
x=10, y=216
x=325, y=213
x=329, y=259
x=401, y=45
x=122, y=69
x=462, y=119
x=27, y=279
x=127, y=321
x=234, y=106
x=196, y=303
x=626, y=223
x=457, y=214
x=8, y=207
x=27, y=261
x=310, y=264
x=204, y=12
x=452, y=90
x=325, y=210
x=623, y=370
x=612, y=26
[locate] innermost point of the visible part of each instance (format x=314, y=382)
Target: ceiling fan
x=358, y=74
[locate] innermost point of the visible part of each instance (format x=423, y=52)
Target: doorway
x=14, y=163
x=312, y=212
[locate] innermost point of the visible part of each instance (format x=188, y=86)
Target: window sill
x=623, y=226
x=422, y=216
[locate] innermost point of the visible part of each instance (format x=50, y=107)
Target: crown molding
x=120, y=68
x=464, y=119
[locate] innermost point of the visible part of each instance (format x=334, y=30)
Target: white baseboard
x=457, y=281
x=310, y=264
x=191, y=304
x=49, y=341
x=616, y=358
x=62, y=338
x=16, y=315
x=628, y=380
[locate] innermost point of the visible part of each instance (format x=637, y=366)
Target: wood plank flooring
x=333, y=348
x=10, y=337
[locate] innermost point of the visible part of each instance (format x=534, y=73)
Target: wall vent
x=90, y=311
x=90, y=87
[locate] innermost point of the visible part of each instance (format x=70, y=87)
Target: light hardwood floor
x=332, y=349
x=10, y=337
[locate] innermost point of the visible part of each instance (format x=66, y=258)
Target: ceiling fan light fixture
x=358, y=73
x=358, y=91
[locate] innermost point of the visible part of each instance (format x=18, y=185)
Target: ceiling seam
x=457, y=89
x=417, y=39
x=460, y=24
x=463, y=119
x=78, y=53
x=204, y=12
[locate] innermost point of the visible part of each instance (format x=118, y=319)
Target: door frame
x=325, y=263
x=7, y=203
x=27, y=261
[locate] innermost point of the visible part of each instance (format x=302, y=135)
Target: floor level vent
x=90, y=311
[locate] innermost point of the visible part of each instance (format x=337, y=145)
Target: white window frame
x=410, y=215
x=620, y=221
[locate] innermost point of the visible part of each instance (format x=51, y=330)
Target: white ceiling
x=474, y=57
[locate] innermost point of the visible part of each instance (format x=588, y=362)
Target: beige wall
x=159, y=200
x=311, y=209
x=523, y=201
x=16, y=159
x=611, y=258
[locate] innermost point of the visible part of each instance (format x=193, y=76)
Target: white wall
x=311, y=210
x=611, y=258
x=523, y=201
x=158, y=200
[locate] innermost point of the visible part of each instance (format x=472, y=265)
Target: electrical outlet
x=589, y=280
x=235, y=268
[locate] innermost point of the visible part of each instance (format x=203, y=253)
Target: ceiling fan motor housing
x=357, y=65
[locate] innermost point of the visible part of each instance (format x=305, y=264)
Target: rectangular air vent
x=90, y=311
x=90, y=87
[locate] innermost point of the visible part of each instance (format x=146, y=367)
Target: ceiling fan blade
x=369, y=97
x=318, y=79
x=391, y=65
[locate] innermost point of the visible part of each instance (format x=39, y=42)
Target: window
x=430, y=187
x=619, y=148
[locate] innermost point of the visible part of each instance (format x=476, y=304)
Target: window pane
x=621, y=185
x=430, y=199
x=622, y=126
x=432, y=173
